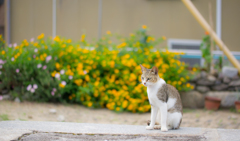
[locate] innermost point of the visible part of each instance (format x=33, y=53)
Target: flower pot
x=237, y=106
x=212, y=103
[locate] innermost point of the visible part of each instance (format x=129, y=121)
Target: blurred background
x=62, y=51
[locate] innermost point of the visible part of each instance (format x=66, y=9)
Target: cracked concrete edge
x=12, y=134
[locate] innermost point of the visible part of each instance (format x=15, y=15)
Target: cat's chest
x=152, y=94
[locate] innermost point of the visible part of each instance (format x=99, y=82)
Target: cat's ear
x=143, y=68
x=154, y=70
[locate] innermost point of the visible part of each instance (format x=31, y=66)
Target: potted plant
x=212, y=103
x=237, y=103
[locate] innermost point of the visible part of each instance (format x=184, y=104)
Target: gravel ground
x=31, y=111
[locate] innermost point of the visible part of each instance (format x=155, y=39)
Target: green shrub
x=101, y=74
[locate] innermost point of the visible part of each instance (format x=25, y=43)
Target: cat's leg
x=153, y=117
x=158, y=120
x=163, y=109
x=174, y=120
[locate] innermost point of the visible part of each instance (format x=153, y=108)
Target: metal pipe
x=206, y=26
x=54, y=18
x=99, y=19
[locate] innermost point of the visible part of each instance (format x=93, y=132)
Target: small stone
x=209, y=121
x=235, y=83
x=5, y=91
x=220, y=76
x=211, y=78
x=205, y=82
x=61, y=118
x=197, y=120
x=235, y=77
x=30, y=117
x=226, y=80
x=229, y=71
x=233, y=117
x=17, y=100
x=53, y=111
x=218, y=82
x=220, y=87
x=7, y=97
x=202, y=89
x=203, y=74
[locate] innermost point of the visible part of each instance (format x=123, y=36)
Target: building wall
x=168, y=18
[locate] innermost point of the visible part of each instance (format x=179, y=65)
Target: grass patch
x=4, y=117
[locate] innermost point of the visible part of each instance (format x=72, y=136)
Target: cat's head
x=149, y=76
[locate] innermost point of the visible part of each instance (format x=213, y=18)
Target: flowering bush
x=101, y=74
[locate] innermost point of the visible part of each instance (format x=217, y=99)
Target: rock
x=205, y=82
x=220, y=87
x=202, y=89
x=227, y=98
x=235, y=83
x=220, y=76
x=30, y=117
x=61, y=118
x=229, y=71
x=226, y=80
x=17, y=100
x=5, y=91
x=235, y=77
x=203, y=74
x=218, y=82
x=192, y=99
x=6, y=96
x=211, y=78
x=52, y=111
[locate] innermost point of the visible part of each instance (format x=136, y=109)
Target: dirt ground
x=30, y=111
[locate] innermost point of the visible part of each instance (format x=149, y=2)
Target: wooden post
x=206, y=26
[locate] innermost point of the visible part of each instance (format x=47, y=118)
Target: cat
x=166, y=105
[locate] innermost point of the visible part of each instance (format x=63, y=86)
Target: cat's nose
x=144, y=83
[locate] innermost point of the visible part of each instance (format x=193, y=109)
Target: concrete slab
x=33, y=130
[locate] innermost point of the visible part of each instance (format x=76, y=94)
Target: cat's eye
x=142, y=78
x=148, y=79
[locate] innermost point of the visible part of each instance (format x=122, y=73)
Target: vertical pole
x=219, y=18
x=99, y=18
x=54, y=19
x=8, y=23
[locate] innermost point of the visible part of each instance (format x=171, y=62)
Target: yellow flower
x=87, y=78
x=90, y=104
x=112, y=63
x=83, y=37
x=188, y=85
x=194, y=69
x=53, y=73
x=57, y=39
x=41, y=36
x=116, y=71
x=57, y=66
x=117, y=109
x=61, y=85
x=108, y=32
x=3, y=52
x=164, y=38
x=144, y=26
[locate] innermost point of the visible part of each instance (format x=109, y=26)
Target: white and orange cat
x=166, y=105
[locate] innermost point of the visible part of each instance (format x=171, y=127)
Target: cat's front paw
x=164, y=129
x=157, y=127
x=149, y=128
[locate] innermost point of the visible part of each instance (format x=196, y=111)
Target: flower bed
x=108, y=75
